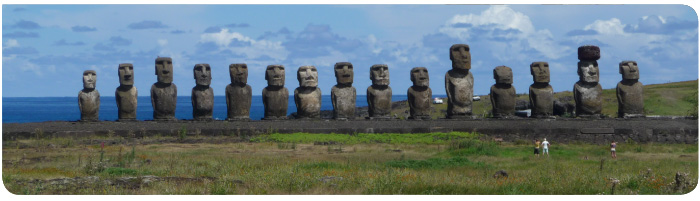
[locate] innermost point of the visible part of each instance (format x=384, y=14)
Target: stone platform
x=599, y=131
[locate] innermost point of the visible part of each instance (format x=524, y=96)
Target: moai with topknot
x=89, y=98
x=126, y=94
x=588, y=93
x=503, y=93
x=275, y=95
x=238, y=93
x=307, y=97
x=343, y=94
x=202, y=93
x=379, y=93
x=420, y=94
x=164, y=92
x=630, y=98
x=541, y=93
x=459, y=83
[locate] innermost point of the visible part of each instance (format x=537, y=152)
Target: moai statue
x=126, y=94
x=164, y=92
x=238, y=93
x=459, y=83
x=307, y=97
x=89, y=97
x=343, y=94
x=379, y=93
x=503, y=93
x=629, y=91
x=419, y=95
x=202, y=94
x=275, y=95
x=541, y=93
x=588, y=93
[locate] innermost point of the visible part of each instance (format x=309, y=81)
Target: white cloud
x=257, y=48
x=162, y=42
x=612, y=26
x=11, y=43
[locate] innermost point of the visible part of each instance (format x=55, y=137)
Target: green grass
x=390, y=138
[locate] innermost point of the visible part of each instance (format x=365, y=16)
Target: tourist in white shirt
x=545, y=147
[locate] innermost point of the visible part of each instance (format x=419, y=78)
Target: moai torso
x=202, y=94
x=630, y=97
x=343, y=94
x=164, y=92
x=541, y=93
x=126, y=94
x=89, y=97
x=308, y=102
x=419, y=101
x=459, y=83
x=379, y=102
x=588, y=93
x=275, y=101
x=238, y=93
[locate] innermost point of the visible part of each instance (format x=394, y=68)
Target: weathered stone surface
x=588, y=52
x=459, y=83
x=588, y=93
x=503, y=93
x=202, y=94
x=238, y=93
x=275, y=95
x=343, y=94
x=420, y=94
x=164, y=92
x=126, y=94
x=630, y=96
x=379, y=93
x=89, y=97
x=541, y=93
x=307, y=96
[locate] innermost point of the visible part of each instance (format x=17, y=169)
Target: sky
x=45, y=48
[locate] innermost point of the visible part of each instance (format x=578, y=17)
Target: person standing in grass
x=537, y=147
x=613, y=145
x=545, y=147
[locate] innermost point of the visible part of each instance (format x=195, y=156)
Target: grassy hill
x=669, y=99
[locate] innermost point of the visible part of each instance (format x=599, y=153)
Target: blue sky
x=45, y=48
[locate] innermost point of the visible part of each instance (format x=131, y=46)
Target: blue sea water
x=41, y=109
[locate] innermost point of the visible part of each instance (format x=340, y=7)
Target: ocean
x=41, y=109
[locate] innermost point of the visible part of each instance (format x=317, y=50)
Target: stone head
x=419, y=77
x=126, y=74
x=274, y=74
x=202, y=74
x=343, y=72
x=460, y=56
x=89, y=79
x=540, y=71
x=379, y=74
x=503, y=75
x=239, y=73
x=164, y=69
x=588, y=71
x=307, y=76
x=629, y=70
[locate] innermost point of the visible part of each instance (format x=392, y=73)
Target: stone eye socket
x=208, y=68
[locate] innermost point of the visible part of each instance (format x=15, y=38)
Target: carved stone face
x=239, y=73
x=307, y=76
x=164, y=70
x=419, y=77
x=89, y=79
x=202, y=74
x=540, y=71
x=379, y=74
x=460, y=56
x=343, y=73
x=275, y=75
x=588, y=71
x=503, y=75
x=126, y=74
x=629, y=70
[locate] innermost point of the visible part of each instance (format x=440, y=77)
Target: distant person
x=613, y=153
x=537, y=148
x=545, y=147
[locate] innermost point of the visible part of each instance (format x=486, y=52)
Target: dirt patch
x=61, y=184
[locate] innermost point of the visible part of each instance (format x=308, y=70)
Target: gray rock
x=379, y=93
x=503, y=93
x=202, y=94
x=588, y=94
x=343, y=94
x=541, y=93
x=238, y=93
x=459, y=83
x=126, y=94
x=588, y=52
x=307, y=96
x=89, y=97
x=420, y=95
x=164, y=92
x=630, y=96
x=275, y=95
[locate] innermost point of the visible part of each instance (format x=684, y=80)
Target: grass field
x=300, y=163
